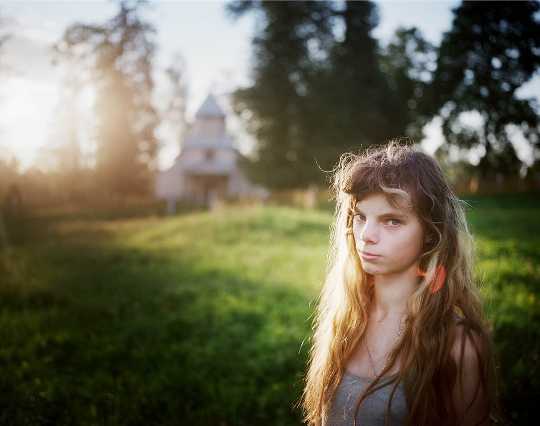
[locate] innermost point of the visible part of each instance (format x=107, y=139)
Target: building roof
x=210, y=108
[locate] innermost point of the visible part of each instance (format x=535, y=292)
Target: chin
x=370, y=269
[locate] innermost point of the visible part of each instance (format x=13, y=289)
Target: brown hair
x=427, y=369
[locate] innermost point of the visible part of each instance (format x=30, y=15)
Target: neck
x=392, y=292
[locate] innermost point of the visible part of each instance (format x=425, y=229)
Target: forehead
x=380, y=204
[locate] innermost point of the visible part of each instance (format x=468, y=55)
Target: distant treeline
x=322, y=85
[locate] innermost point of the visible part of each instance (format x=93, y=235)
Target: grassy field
x=203, y=318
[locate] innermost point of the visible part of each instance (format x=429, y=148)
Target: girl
x=400, y=335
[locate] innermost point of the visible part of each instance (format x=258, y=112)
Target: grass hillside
x=204, y=318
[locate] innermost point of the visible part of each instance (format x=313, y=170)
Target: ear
x=429, y=239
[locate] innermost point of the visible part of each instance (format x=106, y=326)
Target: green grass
x=203, y=318
x=507, y=233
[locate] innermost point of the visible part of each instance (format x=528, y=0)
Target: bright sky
x=216, y=49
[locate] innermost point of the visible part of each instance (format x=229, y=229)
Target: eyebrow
x=388, y=214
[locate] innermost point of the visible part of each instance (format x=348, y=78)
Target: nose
x=369, y=232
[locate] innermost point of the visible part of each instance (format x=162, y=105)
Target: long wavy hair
x=427, y=368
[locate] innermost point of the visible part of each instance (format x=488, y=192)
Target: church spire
x=210, y=108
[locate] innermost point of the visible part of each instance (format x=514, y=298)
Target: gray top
x=373, y=409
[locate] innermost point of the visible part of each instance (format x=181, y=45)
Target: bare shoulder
x=468, y=393
x=467, y=345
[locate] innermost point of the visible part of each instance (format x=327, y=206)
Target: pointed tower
x=206, y=168
x=209, y=128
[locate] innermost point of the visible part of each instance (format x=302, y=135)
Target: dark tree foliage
x=274, y=107
x=119, y=54
x=362, y=105
x=349, y=102
x=492, y=49
x=408, y=62
x=315, y=93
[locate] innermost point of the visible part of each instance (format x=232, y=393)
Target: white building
x=206, y=168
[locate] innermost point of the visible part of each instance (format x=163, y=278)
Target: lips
x=365, y=253
x=368, y=257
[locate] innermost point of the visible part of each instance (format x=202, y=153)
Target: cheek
x=407, y=243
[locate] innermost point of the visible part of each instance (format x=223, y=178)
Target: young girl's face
x=395, y=235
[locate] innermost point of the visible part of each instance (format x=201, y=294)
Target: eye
x=357, y=218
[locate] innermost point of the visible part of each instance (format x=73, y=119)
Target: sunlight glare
x=26, y=112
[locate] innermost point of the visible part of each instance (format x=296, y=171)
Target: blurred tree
x=408, y=62
x=9, y=172
x=175, y=113
x=360, y=105
x=9, y=176
x=273, y=108
x=349, y=103
x=491, y=50
x=323, y=86
x=119, y=54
